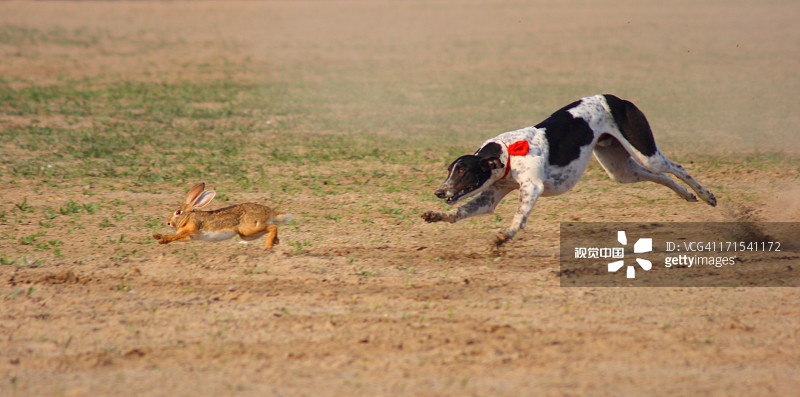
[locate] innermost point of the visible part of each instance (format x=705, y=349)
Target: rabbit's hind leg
x=272, y=237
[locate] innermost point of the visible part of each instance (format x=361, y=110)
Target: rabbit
x=250, y=221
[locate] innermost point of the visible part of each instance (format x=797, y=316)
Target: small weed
x=298, y=246
x=223, y=197
x=258, y=270
x=71, y=207
x=408, y=269
x=153, y=223
x=25, y=262
x=361, y=272
x=50, y=214
x=121, y=253
x=49, y=244
x=283, y=311
x=24, y=206
x=106, y=223
x=90, y=208
x=29, y=240
x=390, y=211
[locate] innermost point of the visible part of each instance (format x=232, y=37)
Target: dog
x=549, y=158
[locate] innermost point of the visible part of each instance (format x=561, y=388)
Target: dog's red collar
x=518, y=148
x=508, y=163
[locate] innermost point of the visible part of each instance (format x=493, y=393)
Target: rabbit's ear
x=204, y=199
x=192, y=195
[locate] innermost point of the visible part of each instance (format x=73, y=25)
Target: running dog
x=549, y=158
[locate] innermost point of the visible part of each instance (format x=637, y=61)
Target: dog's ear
x=494, y=163
x=491, y=149
x=490, y=156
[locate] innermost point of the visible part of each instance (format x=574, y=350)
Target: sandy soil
x=357, y=301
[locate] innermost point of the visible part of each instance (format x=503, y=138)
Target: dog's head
x=471, y=174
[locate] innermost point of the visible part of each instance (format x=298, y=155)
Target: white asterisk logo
x=641, y=246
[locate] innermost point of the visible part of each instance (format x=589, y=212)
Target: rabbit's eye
x=178, y=212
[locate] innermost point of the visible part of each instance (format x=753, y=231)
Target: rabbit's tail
x=281, y=217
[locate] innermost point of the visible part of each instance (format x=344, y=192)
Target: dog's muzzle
x=448, y=196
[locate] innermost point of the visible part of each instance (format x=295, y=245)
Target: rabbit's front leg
x=184, y=234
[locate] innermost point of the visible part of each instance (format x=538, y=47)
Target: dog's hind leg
x=619, y=165
x=639, y=143
x=658, y=163
x=677, y=170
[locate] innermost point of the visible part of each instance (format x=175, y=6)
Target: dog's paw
x=432, y=216
x=500, y=239
x=157, y=236
x=710, y=199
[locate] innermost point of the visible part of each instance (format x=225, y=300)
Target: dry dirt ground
x=361, y=297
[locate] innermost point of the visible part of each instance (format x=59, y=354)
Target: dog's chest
x=534, y=165
x=537, y=147
x=558, y=180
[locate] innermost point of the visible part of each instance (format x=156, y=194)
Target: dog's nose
x=440, y=194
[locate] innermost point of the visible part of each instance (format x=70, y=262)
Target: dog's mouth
x=452, y=200
x=455, y=197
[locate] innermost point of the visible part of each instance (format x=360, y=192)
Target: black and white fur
x=615, y=130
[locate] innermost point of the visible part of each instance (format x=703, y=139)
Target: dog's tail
x=281, y=217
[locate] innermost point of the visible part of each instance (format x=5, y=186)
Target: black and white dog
x=549, y=158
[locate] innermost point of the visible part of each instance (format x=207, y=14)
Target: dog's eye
x=460, y=171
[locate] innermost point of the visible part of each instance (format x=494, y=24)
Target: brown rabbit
x=250, y=221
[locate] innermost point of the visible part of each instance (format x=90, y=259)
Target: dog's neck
x=507, y=160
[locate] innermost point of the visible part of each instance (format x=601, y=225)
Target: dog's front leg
x=528, y=194
x=484, y=203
